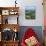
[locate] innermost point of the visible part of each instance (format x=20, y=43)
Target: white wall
x=6, y=3
x=39, y=13
x=22, y=4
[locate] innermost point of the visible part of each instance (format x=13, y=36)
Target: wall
x=39, y=13
x=7, y=3
x=37, y=29
x=22, y=4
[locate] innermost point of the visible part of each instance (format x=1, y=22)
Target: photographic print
x=30, y=12
x=5, y=12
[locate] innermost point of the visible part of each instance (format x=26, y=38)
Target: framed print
x=6, y=34
x=30, y=12
x=12, y=12
x=5, y=19
x=5, y=12
x=12, y=20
